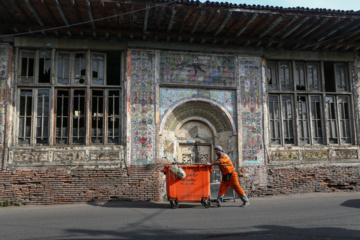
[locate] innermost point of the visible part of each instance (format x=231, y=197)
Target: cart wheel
x=206, y=203
x=174, y=203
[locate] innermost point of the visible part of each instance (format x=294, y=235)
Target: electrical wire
x=86, y=22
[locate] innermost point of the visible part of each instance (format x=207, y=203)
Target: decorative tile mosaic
x=251, y=109
x=171, y=96
x=4, y=61
x=196, y=69
x=142, y=106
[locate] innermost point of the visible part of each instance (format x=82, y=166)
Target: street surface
x=288, y=217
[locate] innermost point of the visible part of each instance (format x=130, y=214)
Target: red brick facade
x=85, y=185
x=139, y=184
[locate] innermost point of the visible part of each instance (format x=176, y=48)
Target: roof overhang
x=215, y=24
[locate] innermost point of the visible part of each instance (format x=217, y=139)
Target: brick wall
x=302, y=180
x=85, y=185
x=140, y=184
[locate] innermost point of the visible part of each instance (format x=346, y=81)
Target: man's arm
x=216, y=162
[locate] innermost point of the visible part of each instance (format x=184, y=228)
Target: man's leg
x=222, y=191
x=234, y=183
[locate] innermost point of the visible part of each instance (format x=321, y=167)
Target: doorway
x=195, y=139
x=194, y=153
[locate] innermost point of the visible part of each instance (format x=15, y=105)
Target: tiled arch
x=201, y=109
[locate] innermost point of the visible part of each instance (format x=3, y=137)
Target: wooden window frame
x=309, y=92
x=34, y=117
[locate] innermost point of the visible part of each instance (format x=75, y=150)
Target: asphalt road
x=291, y=217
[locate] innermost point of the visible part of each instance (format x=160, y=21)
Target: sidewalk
x=301, y=216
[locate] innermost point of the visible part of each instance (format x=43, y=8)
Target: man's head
x=218, y=150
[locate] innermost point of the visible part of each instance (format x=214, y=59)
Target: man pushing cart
x=230, y=178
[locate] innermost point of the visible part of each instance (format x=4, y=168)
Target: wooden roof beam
x=253, y=17
x=228, y=15
x=88, y=7
x=294, y=28
x=271, y=26
x=314, y=28
x=352, y=32
x=197, y=21
x=146, y=21
x=62, y=14
x=171, y=23
x=158, y=21
x=334, y=30
x=34, y=12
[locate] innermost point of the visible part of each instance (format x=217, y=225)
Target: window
x=82, y=112
x=105, y=115
x=301, y=112
x=70, y=116
x=38, y=118
x=27, y=65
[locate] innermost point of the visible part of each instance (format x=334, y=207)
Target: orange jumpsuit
x=234, y=178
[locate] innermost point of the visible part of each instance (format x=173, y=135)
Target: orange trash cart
x=195, y=187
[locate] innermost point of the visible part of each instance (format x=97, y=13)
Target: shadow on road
x=354, y=203
x=264, y=232
x=140, y=204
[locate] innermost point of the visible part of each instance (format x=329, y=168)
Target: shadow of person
x=354, y=203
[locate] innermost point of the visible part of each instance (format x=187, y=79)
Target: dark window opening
x=113, y=68
x=44, y=67
x=330, y=83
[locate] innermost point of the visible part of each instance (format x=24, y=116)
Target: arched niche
x=203, y=111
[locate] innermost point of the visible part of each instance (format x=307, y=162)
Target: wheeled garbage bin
x=195, y=187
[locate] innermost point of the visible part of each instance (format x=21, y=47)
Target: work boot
x=219, y=200
x=245, y=200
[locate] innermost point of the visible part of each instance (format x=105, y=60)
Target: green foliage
x=7, y=203
x=18, y=204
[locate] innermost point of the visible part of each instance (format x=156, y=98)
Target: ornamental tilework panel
x=4, y=58
x=142, y=106
x=195, y=69
x=171, y=96
x=251, y=109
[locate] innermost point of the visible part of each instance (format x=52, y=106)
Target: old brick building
x=95, y=93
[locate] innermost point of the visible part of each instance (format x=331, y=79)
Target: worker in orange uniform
x=230, y=177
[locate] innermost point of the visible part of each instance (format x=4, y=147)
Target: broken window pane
x=44, y=67
x=272, y=75
x=27, y=67
x=25, y=114
x=63, y=68
x=98, y=69
x=80, y=68
x=300, y=76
